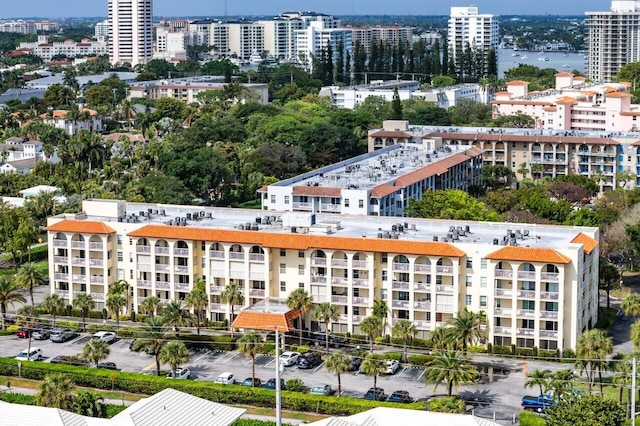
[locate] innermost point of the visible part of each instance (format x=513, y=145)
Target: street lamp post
x=278, y=390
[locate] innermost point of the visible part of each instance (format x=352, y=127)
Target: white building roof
x=35, y=190
x=383, y=416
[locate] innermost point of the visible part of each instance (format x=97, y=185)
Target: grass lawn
x=39, y=252
x=253, y=204
x=611, y=391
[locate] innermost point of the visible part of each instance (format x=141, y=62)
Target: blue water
x=557, y=60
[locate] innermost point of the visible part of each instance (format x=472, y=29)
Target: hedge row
x=149, y=385
x=22, y=399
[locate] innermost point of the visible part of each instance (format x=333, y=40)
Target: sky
x=90, y=8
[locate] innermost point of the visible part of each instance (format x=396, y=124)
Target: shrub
x=477, y=349
x=419, y=359
x=501, y=350
x=214, y=343
x=527, y=418
x=295, y=385
x=526, y=352
x=300, y=348
x=12, y=329
x=449, y=404
x=568, y=355
x=269, y=348
x=393, y=355
x=547, y=354
x=359, y=339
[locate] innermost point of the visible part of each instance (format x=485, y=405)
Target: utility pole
x=633, y=392
x=278, y=390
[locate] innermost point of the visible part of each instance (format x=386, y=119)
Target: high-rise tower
x=130, y=31
x=468, y=27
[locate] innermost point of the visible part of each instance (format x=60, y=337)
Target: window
x=121, y=274
x=119, y=240
x=130, y=274
x=483, y=282
x=383, y=258
x=469, y=264
x=528, y=323
x=203, y=246
x=301, y=254
x=528, y=305
x=286, y=199
x=468, y=281
x=273, y=199
x=483, y=263
x=467, y=300
x=360, y=203
x=483, y=301
x=283, y=253
x=384, y=294
x=346, y=202
x=283, y=268
x=384, y=275
x=130, y=241
x=551, y=306
x=300, y=285
x=300, y=269
x=119, y=256
x=283, y=286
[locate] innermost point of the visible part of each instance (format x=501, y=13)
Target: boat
x=255, y=58
x=543, y=59
x=524, y=57
x=540, y=53
x=566, y=66
x=515, y=54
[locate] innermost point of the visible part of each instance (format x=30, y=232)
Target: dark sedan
x=375, y=394
x=401, y=396
x=309, y=360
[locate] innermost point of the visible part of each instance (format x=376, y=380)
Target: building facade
x=69, y=48
x=311, y=41
x=537, y=284
x=468, y=27
x=390, y=34
x=130, y=31
x=613, y=39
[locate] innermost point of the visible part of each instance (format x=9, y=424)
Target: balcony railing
x=96, y=246
x=96, y=262
x=97, y=297
x=444, y=288
x=527, y=313
x=422, y=325
x=400, y=266
x=550, y=276
x=506, y=273
x=216, y=307
x=422, y=286
x=236, y=255
x=163, y=285
x=400, y=285
x=339, y=281
x=181, y=252
x=501, y=330
x=339, y=263
x=237, y=275
x=526, y=332
x=61, y=277
x=181, y=269
x=504, y=292
x=144, y=267
x=359, y=264
x=60, y=259
x=343, y=318
x=216, y=254
x=400, y=304
x=442, y=307
x=361, y=301
x=339, y=299
x=527, y=294
x=359, y=282
x=78, y=244
x=60, y=243
x=161, y=250
x=319, y=298
x=318, y=261
x=256, y=292
x=182, y=286
x=329, y=207
x=79, y=278
x=63, y=293
x=420, y=267
x=357, y=319
x=549, y=295
x=425, y=306
x=319, y=279
x=162, y=267
x=144, y=284
x=256, y=257
x=549, y=314
x=502, y=311
x=79, y=260
x=444, y=270
x=218, y=273
x=97, y=279
x=215, y=289
x=526, y=275
x=258, y=276
x=143, y=249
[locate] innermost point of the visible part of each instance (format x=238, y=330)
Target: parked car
x=108, y=365
x=30, y=355
x=309, y=360
x=392, y=366
x=334, y=341
x=62, y=335
x=271, y=384
x=181, y=373
x=375, y=394
x=537, y=403
x=24, y=332
x=41, y=334
x=250, y=381
x=289, y=358
x=401, y=396
x=226, y=378
x=322, y=390
x=105, y=336
x=354, y=363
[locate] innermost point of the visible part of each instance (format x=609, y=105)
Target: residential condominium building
x=537, y=284
x=69, y=48
x=311, y=41
x=380, y=183
x=390, y=34
x=468, y=27
x=239, y=38
x=612, y=39
x=130, y=31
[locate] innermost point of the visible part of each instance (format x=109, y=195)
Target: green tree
x=114, y=303
x=635, y=334
x=609, y=278
x=396, y=106
x=95, y=350
x=174, y=316
x=9, y=295
x=446, y=404
x=523, y=169
x=27, y=317
x=468, y=328
x=197, y=300
x=440, y=338
x=326, y=313
x=53, y=305
x=83, y=302
x=574, y=411
x=631, y=305
x=451, y=367
x=232, y=295
x=405, y=330
x=28, y=277
x=381, y=310
x=250, y=344
x=538, y=378
x=174, y=354
x=55, y=391
x=373, y=367
x=450, y=204
x=442, y=81
x=153, y=340
x=300, y=301
x=372, y=327
x=150, y=306
x=338, y=363
x=88, y=403
x=561, y=383
x=517, y=120
x=592, y=348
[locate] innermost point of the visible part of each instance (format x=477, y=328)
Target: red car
x=23, y=332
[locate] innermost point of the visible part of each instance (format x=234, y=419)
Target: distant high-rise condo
x=467, y=27
x=613, y=39
x=130, y=31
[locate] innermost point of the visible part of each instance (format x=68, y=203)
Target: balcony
x=422, y=286
x=319, y=298
x=143, y=249
x=421, y=268
x=400, y=266
x=357, y=319
x=302, y=206
x=256, y=257
x=218, y=273
x=236, y=255
x=215, y=289
x=359, y=264
x=319, y=279
x=552, y=334
x=527, y=313
x=79, y=278
x=78, y=244
x=162, y=267
x=144, y=284
x=181, y=269
x=503, y=312
x=400, y=285
x=61, y=277
x=527, y=294
x=525, y=332
x=441, y=307
x=257, y=292
x=401, y=304
x=258, y=276
x=444, y=288
x=502, y=330
x=504, y=292
x=330, y=207
x=505, y=273
x=343, y=318
x=183, y=252
x=339, y=299
x=182, y=286
x=216, y=254
x=549, y=295
x=527, y=275
x=444, y=270
x=423, y=306
x=96, y=246
x=422, y=325
x=550, y=277
x=63, y=293
x=549, y=314
x=216, y=307
x=361, y=301
x=340, y=281
x=96, y=262
x=79, y=260
x=162, y=250
x=237, y=275
x=97, y=279
x=97, y=297
x=163, y=285
x=60, y=259
x=339, y=263
x=359, y=282
x=319, y=261
x=60, y=243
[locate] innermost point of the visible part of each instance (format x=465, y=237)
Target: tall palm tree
x=373, y=367
x=232, y=295
x=538, y=378
x=53, y=305
x=27, y=316
x=174, y=354
x=115, y=302
x=631, y=305
x=405, y=330
x=371, y=326
x=197, y=300
x=591, y=349
x=174, y=316
x=622, y=377
x=561, y=383
x=300, y=301
x=28, y=277
x=95, y=350
x=467, y=328
x=83, y=302
x=121, y=287
x=88, y=403
x=150, y=306
x=440, y=338
x=326, y=313
x=451, y=367
x=251, y=345
x=9, y=294
x=55, y=391
x=338, y=363
x=153, y=339
x=381, y=310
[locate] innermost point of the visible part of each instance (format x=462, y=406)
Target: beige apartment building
x=537, y=284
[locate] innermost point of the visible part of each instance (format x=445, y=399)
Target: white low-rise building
x=69, y=48
x=86, y=119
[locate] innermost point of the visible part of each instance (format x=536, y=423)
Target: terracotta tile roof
x=383, y=190
x=630, y=113
x=517, y=83
x=390, y=134
x=61, y=113
x=437, y=168
x=579, y=78
x=617, y=95
x=529, y=254
x=317, y=191
x=252, y=320
x=567, y=100
x=626, y=83
x=502, y=93
x=517, y=102
x=587, y=242
x=550, y=108
x=564, y=74
x=80, y=227
x=133, y=137
x=298, y=241
x=263, y=189
x=505, y=138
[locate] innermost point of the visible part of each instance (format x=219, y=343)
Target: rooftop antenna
x=225, y=8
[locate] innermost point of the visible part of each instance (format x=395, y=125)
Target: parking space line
x=421, y=374
x=318, y=367
x=150, y=366
x=202, y=356
x=401, y=371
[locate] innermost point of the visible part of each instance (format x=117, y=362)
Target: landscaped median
x=149, y=385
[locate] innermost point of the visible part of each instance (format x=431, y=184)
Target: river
x=558, y=60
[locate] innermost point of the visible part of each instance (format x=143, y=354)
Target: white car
x=289, y=358
x=226, y=379
x=105, y=336
x=34, y=355
x=392, y=366
x=181, y=373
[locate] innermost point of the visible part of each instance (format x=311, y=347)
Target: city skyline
x=83, y=8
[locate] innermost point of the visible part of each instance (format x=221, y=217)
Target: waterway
x=557, y=60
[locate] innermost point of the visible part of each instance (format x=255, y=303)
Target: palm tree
x=251, y=345
x=174, y=354
x=326, y=313
x=631, y=305
x=56, y=392
x=561, y=383
x=28, y=277
x=152, y=340
x=115, y=302
x=338, y=363
x=300, y=301
x=232, y=295
x=27, y=316
x=95, y=350
x=591, y=349
x=83, y=302
x=371, y=326
x=197, y=300
x=622, y=378
x=523, y=170
x=405, y=330
x=538, y=378
x=381, y=310
x=451, y=367
x=440, y=338
x=121, y=287
x=373, y=367
x=174, y=316
x=9, y=294
x=53, y=305
x=150, y=306
x=467, y=328
x=88, y=403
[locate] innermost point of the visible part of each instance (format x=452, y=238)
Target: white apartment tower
x=467, y=26
x=613, y=39
x=130, y=31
